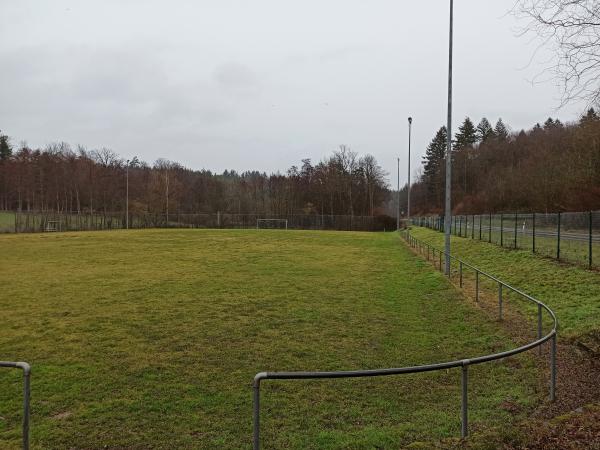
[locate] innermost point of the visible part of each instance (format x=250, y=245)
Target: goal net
x=280, y=224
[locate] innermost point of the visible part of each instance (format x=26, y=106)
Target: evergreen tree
x=589, y=117
x=549, y=123
x=433, y=163
x=501, y=131
x=484, y=130
x=466, y=136
x=5, y=148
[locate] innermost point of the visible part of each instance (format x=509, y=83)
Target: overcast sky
x=261, y=84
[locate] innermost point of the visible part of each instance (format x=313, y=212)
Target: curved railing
x=26, y=368
x=464, y=364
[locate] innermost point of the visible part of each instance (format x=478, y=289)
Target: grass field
x=150, y=339
x=572, y=292
x=7, y=222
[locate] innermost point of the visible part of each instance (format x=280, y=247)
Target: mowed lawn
x=571, y=291
x=151, y=339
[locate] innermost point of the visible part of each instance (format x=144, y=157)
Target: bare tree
x=570, y=29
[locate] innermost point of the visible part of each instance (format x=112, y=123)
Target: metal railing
x=464, y=364
x=26, y=368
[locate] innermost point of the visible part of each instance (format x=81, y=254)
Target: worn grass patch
x=150, y=339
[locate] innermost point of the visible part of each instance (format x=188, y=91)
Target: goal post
x=272, y=224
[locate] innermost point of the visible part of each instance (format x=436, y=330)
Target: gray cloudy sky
x=259, y=84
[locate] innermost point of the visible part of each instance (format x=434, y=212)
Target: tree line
x=62, y=179
x=550, y=167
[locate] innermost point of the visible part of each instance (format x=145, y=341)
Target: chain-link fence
x=572, y=237
x=27, y=222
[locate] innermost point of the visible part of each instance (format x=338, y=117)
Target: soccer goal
x=281, y=224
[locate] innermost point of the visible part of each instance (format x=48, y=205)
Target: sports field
x=150, y=339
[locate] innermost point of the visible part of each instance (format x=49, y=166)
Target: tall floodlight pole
x=127, y=196
x=398, y=199
x=408, y=197
x=448, y=212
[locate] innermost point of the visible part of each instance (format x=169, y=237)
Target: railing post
x=464, y=429
x=533, y=233
x=476, y=285
x=256, y=416
x=553, y=368
x=460, y=270
x=590, y=243
x=500, y=300
x=558, y=239
x=539, y=333
x=26, y=395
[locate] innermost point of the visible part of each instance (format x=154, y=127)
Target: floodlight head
x=410, y=120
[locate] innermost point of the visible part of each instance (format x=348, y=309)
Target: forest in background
x=550, y=168
x=65, y=180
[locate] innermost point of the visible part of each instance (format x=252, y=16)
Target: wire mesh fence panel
x=594, y=240
x=574, y=237
x=23, y=222
x=525, y=231
x=546, y=234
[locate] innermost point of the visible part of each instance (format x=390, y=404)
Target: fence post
x=500, y=300
x=590, y=243
x=464, y=429
x=558, y=239
x=480, y=226
x=516, y=218
x=533, y=232
x=501, y=230
x=473, y=226
x=490, y=230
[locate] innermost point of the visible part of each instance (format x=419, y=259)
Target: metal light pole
x=448, y=212
x=409, y=139
x=398, y=212
x=127, y=197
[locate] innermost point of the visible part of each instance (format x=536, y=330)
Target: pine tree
x=501, y=131
x=5, y=148
x=589, y=117
x=484, y=130
x=433, y=163
x=549, y=123
x=466, y=136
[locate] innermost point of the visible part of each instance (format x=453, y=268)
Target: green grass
x=150, y=339
x=7, y=222
x=571, y=291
